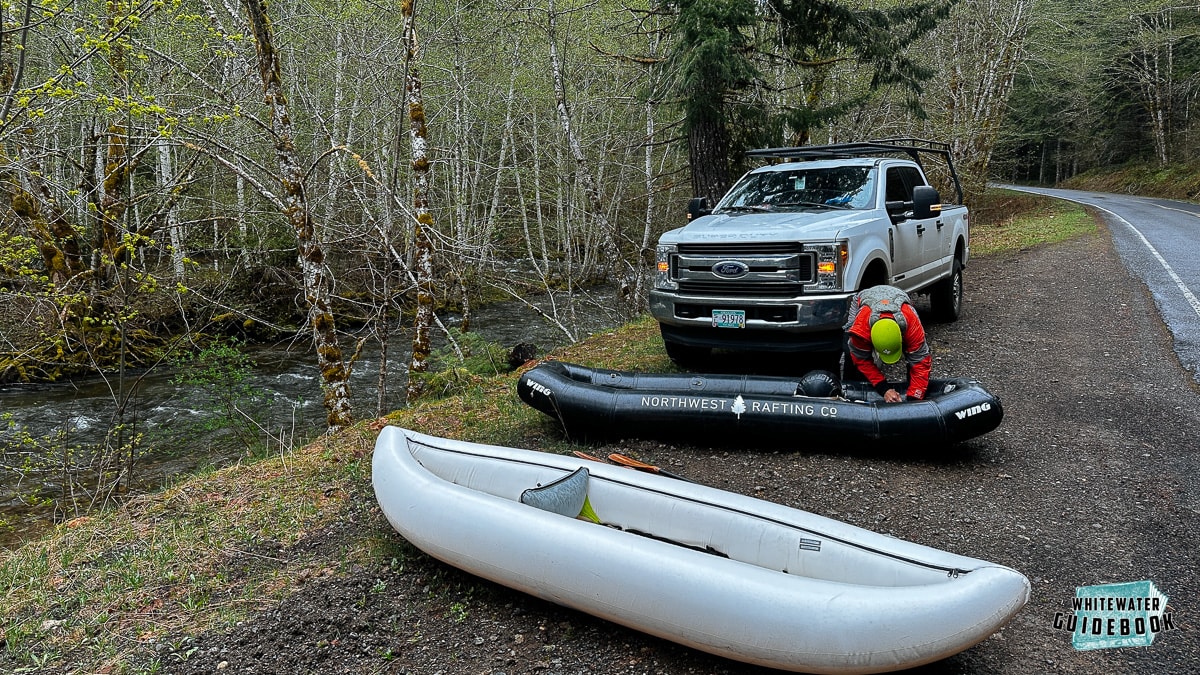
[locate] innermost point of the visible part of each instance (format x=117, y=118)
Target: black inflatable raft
x=598, y=403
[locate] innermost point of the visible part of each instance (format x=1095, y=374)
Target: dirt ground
x=1092, y=478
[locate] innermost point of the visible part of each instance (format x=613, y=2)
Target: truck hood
x=772, y=226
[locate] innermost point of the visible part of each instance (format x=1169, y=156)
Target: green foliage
x=229, y=406
x=458, y=612
x=61, y=472
x=818, y=35
x=454, y=371
x=214, y=369
x=17, y=255
x=479, y=356
x=752, y=74
x=1120, y=91
x=712, y=55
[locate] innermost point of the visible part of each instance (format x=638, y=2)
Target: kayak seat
x=564, y=496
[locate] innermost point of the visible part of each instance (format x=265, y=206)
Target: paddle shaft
x=627, y=461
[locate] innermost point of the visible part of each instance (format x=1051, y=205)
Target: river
x=284, y=376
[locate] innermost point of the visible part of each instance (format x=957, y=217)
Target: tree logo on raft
x=1115, y=615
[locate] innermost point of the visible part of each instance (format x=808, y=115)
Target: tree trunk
x=708, y=154
x=58, y=241
x=166, y=169
x=422, y=244
x=335, y=375
x=108, y=253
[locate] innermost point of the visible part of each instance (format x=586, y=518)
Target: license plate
x=729, y=318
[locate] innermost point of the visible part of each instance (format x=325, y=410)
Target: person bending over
x=882, y=328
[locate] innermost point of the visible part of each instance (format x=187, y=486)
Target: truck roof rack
x=912, y=147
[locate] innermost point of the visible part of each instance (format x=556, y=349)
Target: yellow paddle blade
x=586, y=513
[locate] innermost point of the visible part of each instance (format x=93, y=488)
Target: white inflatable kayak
x=731, y=575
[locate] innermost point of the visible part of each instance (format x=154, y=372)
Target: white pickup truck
x=774, y=265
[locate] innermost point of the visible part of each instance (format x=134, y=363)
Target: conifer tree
x=723, y=48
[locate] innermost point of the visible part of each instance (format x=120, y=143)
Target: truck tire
x=686, y=356
x=946, y=298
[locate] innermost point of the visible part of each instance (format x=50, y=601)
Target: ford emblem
x=730, y=269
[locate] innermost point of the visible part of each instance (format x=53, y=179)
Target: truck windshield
x=846, y=187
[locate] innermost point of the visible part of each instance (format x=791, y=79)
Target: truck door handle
x=920, y=229
x=939, y=224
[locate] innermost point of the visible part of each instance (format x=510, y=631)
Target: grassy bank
x=109, y=593
x=1010, y=221
x=1176, y=181
x=115, y=592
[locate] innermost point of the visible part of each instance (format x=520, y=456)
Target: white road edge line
x=1172, y=208
x=1187, y=292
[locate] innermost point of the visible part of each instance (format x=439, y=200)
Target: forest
x=175, y=173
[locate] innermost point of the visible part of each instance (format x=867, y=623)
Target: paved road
x=1158, y=240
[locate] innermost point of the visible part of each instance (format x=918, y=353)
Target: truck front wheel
x=947, y=295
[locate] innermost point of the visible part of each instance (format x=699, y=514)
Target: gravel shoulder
x=1092, y=478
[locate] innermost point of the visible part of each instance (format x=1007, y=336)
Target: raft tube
x=599, y=403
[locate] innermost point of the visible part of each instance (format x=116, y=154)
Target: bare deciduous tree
x=977, y=54
x=609, y=229
x=422, y=245
x=335, y=374
x=1153, y=36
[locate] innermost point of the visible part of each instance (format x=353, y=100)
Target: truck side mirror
x=697, y=206
x=927, y=203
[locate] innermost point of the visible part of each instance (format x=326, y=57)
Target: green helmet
x=885, y=337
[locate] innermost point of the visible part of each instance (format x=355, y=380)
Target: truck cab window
x=834, y=187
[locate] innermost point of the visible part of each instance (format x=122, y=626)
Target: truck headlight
x=831, y=262
x=664, y=255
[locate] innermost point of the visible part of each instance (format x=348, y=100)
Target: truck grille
x=740, y=288
x=772, y=270
x=735, y=249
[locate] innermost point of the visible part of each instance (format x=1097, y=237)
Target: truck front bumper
x=808, y=323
